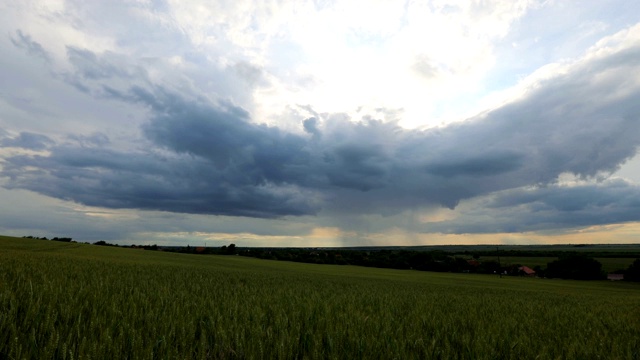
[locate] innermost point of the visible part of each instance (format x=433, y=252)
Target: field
x=75, y=301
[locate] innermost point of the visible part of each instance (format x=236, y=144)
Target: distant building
x=615, y=277
x=526, y=271
x=474, y=263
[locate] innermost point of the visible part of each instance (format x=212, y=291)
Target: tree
x=231, y=249
x=577, y=267
x=633, y=271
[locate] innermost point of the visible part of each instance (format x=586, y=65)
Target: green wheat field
x=76, y=301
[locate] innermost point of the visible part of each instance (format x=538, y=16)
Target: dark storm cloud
x=576, y=198
x=485, y=165
x=32, y=47
x=548, y=208
x=106, y=178
x=210, y=158
x=356, y=165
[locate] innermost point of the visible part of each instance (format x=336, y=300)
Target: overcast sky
x=321, y=123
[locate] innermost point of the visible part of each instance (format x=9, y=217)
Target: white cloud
x=416, y=57
x=339, y=57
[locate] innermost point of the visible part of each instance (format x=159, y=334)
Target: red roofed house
x=615, y=277
x=526, y=271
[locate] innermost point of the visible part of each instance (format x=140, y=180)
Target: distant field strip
x=72, y=301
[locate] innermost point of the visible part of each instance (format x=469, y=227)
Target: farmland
x=68, y=300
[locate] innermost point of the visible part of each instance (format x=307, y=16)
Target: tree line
x=62, y=239
x=569, y=265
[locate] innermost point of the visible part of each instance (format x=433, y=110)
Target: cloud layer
x=207, y=156
x=316, y=120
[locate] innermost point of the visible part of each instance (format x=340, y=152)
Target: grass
x=74, y=301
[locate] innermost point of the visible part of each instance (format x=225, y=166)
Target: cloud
x=90, y=66
x=203, y=156
x=311, y=126
x=32, y=47
x=111, y=179
x=27, y=140
x=484, y=165
x=554, y=209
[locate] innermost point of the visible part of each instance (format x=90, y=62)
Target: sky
x=321, y=123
